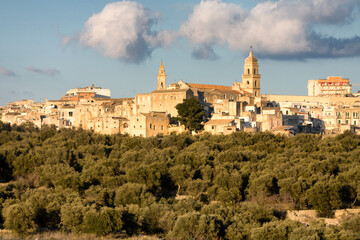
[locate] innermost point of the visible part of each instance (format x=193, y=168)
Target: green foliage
x=197, y=226
x=325, y=198
x=177, y=186
x=190, y=114
x=275, y=230
x=133, y=193
x=104, y=222
x=18, y=217
x=5, y=169
x=72, y=215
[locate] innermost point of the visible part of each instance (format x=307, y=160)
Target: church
x=166, y=97
x=228, y=108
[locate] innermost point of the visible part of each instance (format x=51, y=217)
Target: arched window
x=255, y=83
x=255, y=94
x=248, y=82
x=254, y=71
x=248, y=71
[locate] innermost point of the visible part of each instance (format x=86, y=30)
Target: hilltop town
x=329, y=108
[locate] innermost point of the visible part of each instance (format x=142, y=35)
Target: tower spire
x=161, y=77
x=251, y=76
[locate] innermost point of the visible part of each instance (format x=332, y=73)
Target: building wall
x=310, y=99
x=156, y=123
x=225, y=129
x=332, y=86
x=143, y=103
x=166, y=101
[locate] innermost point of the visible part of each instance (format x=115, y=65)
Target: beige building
x=332, y=86
x=86, y=92
x=220, y=126
x=270, y=118
x=149, y=124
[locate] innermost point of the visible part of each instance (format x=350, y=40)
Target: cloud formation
x=276, y=29
x=7, y=72
x=123, y=30
x=47, y=72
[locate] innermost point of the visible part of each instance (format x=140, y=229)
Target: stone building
x=220, y=126
x=332, y=86
x=149, y=124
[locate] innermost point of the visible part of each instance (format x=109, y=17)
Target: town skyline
x=47, y=49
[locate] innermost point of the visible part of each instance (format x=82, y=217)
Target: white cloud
x=48, y=72
x=7, y=72
x=276, y=29
x=122, y=30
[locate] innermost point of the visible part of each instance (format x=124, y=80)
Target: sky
x=49, y=47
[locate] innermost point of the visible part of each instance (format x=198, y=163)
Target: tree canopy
x=190, y=114
x=178, y=186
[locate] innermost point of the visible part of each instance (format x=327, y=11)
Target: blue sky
x=48, y=47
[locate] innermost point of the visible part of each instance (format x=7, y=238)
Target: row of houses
x=228, y=109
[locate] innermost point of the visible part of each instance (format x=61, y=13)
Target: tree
x=19, y=218
x=190, y=114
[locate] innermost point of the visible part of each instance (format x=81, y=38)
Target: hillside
x=178, y=186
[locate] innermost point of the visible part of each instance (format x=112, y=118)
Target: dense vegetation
x=177, y=186
x=191, y=114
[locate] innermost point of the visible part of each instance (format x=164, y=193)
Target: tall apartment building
x=332, y=86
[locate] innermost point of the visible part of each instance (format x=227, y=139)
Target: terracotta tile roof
x=334, y=79
x=212, y=87
x=209, y=86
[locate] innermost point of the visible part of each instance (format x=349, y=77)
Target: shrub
x=19, y=218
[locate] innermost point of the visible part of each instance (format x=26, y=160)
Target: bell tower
x=161, y=78
x=251, y=76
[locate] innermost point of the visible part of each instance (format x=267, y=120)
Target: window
x=355, y=123
x=154, y=127
x=347, y=121
x=255, y=83
x=248, y=71
x=254, y=71
x=150, y=125
x=162, y=127
x=248, y=82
